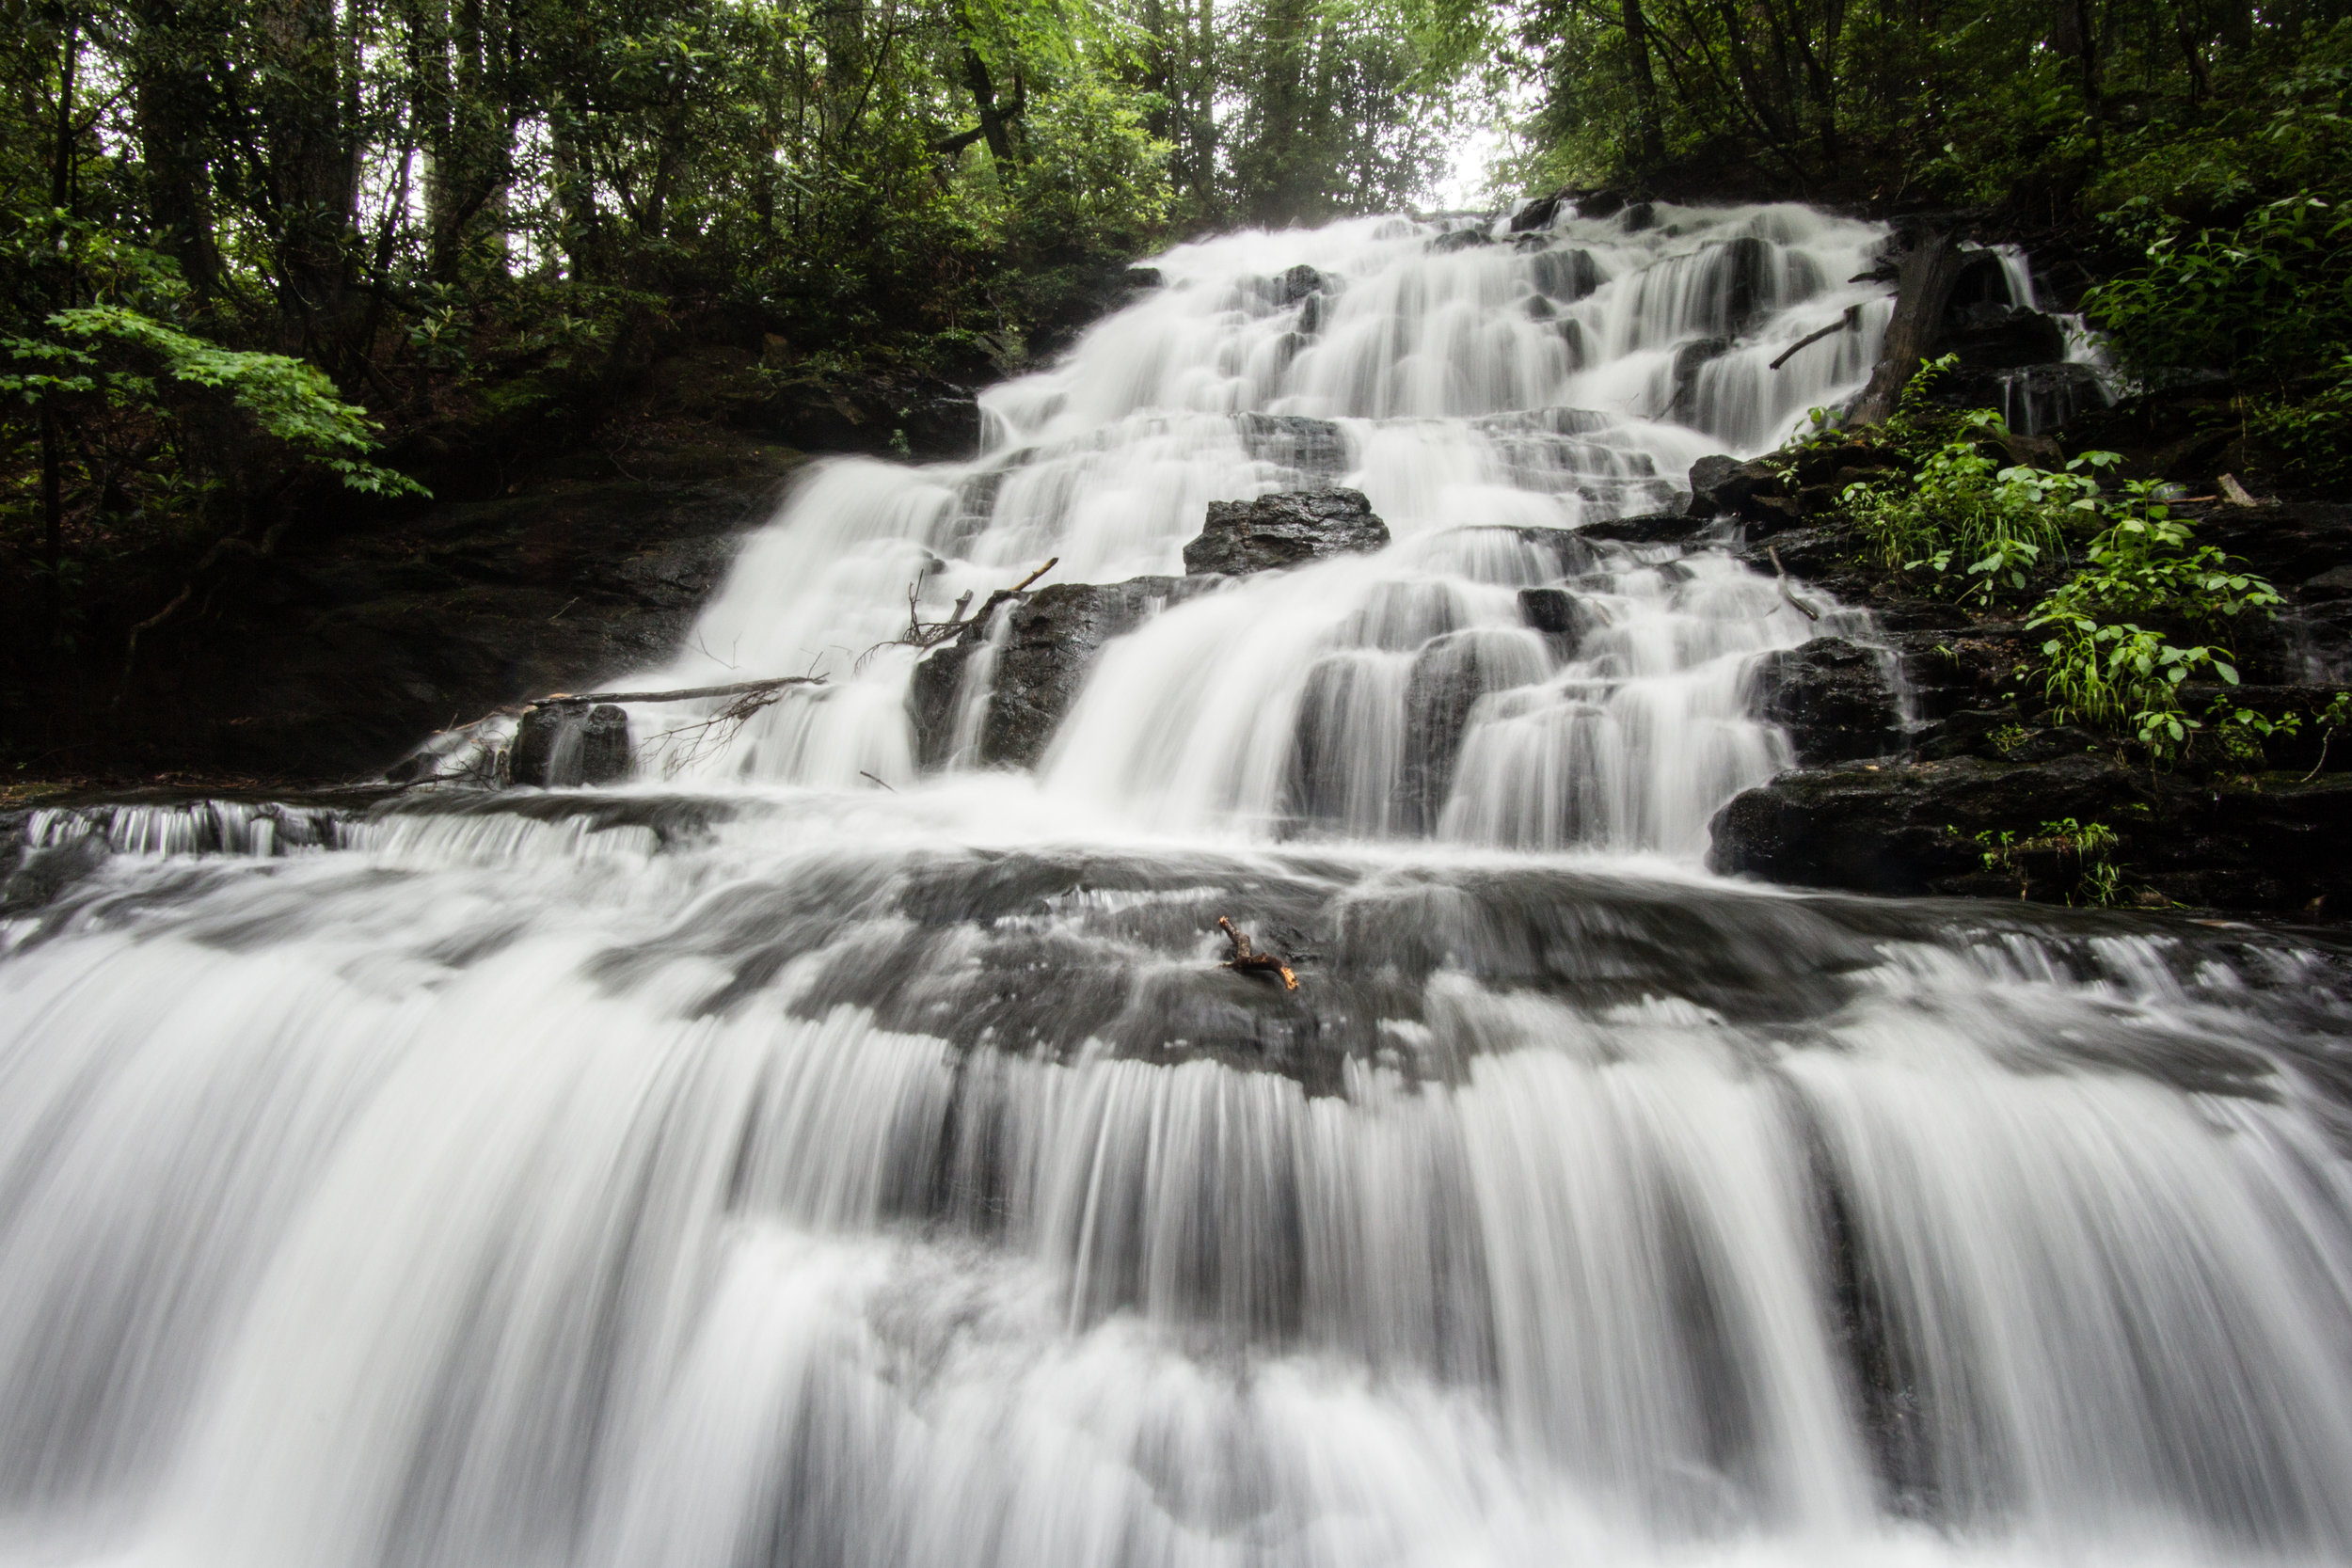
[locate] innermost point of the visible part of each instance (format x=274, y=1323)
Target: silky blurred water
x=748, y=1166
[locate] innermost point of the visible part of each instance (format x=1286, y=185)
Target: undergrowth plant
x=2130, y=630
x=2090, y=846
x=1981, y=524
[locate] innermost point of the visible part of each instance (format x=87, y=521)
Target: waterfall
x=1533, y=382
x=749, y=1166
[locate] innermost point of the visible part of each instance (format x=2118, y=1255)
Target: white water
x=771, y=1171
x=1508, y=386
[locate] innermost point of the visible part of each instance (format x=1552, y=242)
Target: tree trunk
x=1923, y=290
x=170, y=101
x=1644, y=83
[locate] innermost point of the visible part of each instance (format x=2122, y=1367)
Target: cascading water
x=751, y=1167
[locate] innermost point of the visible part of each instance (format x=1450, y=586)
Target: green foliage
x=2089, y=846
x=2103, y=666
x=1978, y=524
x=2052, y=111
x=283, y=397
x=247, y=248
x=2268, y=301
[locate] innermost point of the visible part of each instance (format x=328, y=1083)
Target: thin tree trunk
x=1644, y=83
x=52, y=464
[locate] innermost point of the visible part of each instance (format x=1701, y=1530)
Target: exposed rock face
x=1273, y=531
x=1689, y=360
x=564, y=745
x=1315, y=450
x=1566, y=275
x=1460, y=239
x=1913, y=829
x=1833, y=697
x=1449, y=677
x=2002, y=338
x=1723, y=486
x=1049, y=648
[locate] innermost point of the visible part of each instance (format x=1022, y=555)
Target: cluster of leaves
x=2145, y=611
x=1978, y=524
x=2091, y=846
x=2112, y=658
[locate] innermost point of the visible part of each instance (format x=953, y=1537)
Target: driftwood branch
x=1248, y=960
x=1811, y=337
x=1923, y=290
x=932, y=634
x=739, y=688
x=1780, y=575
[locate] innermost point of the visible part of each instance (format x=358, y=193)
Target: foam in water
x=767, y=1170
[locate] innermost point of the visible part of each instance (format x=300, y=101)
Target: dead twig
x=1808, y=342
x=1248, y=960
x=1781, y=578
x=884, y=783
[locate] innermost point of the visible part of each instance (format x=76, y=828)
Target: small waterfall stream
x=748, y=1167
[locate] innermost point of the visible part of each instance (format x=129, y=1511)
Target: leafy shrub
x=1981, y=524
x=2103, y=666
x=2268, y=302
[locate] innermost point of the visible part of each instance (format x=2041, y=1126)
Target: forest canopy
x=259, y=258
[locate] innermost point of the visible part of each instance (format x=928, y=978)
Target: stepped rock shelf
x=855, y=1133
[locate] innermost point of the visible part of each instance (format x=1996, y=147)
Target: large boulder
x=1285, y=529
x=1725, y=487
x=1565, y=275
x=1834, y=697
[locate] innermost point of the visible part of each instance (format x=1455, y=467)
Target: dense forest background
x=276, y=264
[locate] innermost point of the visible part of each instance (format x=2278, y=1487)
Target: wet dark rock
x=1925, y=828
x=1285, y=530
x=1549, y=610
x=1571, y=551
x=1538, y=213
x=931, y=701
x=1906, y=828
x=2002, y=338
x=1833, y=697
x=1721, y=486
x=1460, y=239
x=1301, y=281
x=31, y=878
x=1689, y=360
x=1748, y=288
x=565, y=745
x=1656, y=527
x=1639, y=216
x=1447, y=678
x=1048, y=651
x=1565, y=275
x=1313, y=448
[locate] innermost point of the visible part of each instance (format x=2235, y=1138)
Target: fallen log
x=739, y=688
x=1248, y=960
x=1806, y=341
